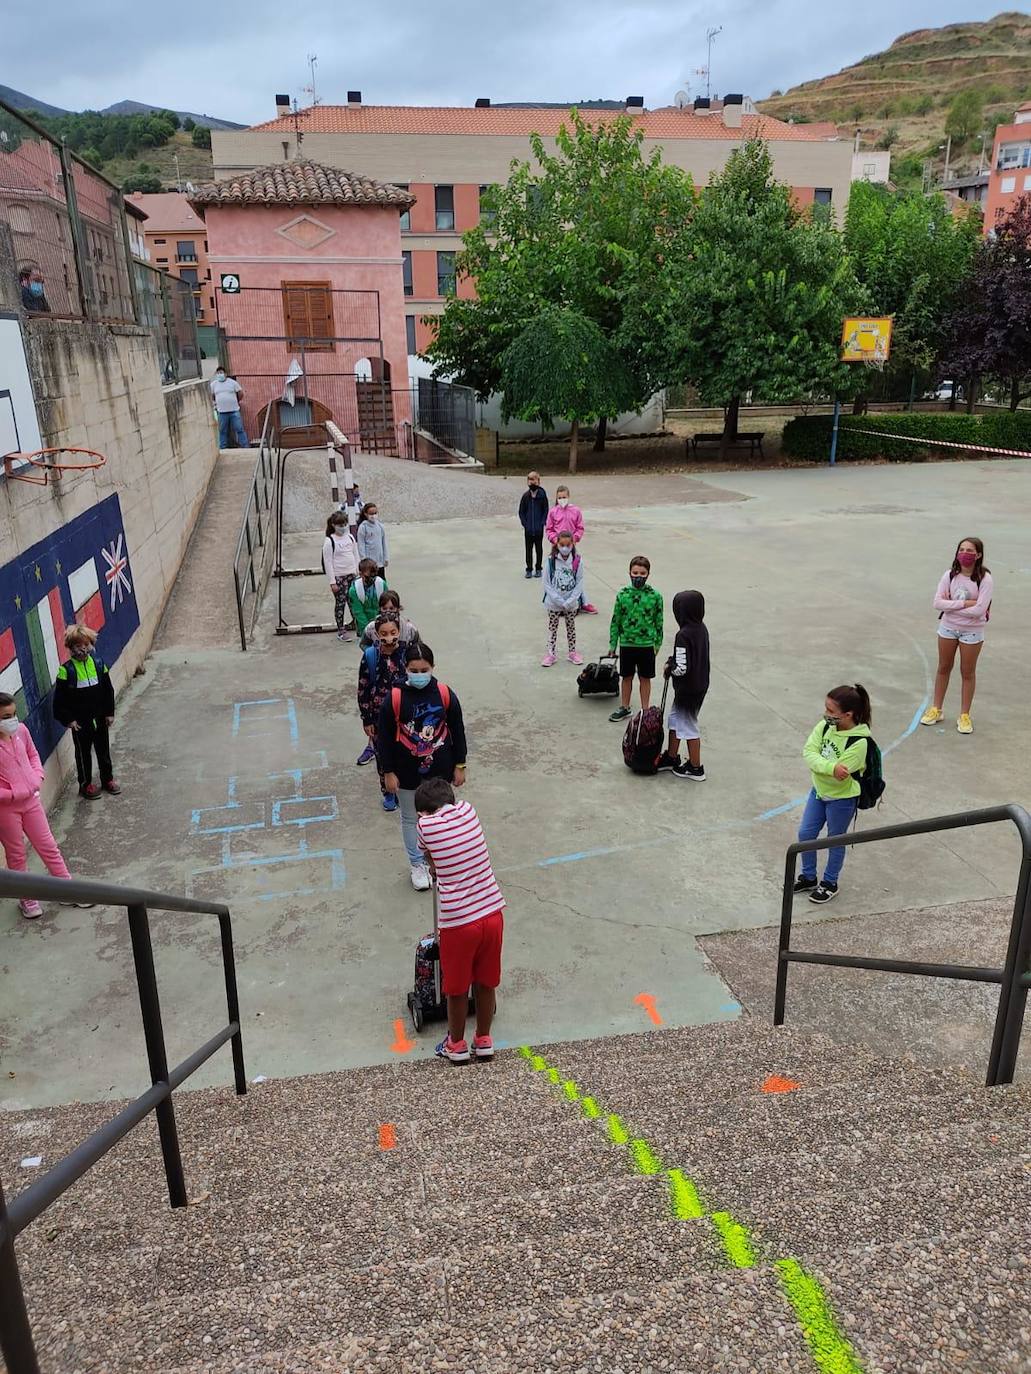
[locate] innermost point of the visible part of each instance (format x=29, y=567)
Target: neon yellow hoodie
x=824, y=749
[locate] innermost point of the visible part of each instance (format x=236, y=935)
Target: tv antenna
x=313, y=62
x=709, y=36
x=298, y=133
x=680, y=99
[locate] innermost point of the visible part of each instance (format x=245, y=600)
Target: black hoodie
x=690, y=662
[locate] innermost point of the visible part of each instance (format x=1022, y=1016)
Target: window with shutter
x=308, y=315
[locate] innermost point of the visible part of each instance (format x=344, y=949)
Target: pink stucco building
x=316, y=328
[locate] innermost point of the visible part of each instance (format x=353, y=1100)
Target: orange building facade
x=177, y=243
x=1009, y=176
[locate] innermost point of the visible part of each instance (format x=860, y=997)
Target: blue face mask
x=419, y=680
x=36, y=288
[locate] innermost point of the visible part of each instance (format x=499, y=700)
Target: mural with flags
x=79, y=574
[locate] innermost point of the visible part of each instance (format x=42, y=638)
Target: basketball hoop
x=44, y=459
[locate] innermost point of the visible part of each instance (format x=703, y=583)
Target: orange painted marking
x=646, y=1000
x=387, y=1136
x=401, y=1043
x=776, y=1084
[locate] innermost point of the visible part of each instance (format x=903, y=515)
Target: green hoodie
x=827, y=747
x=637, y=618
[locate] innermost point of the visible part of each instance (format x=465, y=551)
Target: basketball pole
x=834, y=430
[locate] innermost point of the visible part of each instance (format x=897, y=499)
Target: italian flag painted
x=45, y=624
x=84, y=586
x=10, y=673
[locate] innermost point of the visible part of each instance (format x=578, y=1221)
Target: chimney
x=483, y=102
x=635, y=102
x=701, y=104
x=733, y=106
x=282, y=106
x=353, y=98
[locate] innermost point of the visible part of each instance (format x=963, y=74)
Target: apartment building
x=177, y=243
x=447, y=157
x=1009, y=175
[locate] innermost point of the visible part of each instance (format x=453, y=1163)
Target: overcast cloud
x=229, y=59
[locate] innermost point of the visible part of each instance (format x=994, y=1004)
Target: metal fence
x=68, y=226
x=448, y=413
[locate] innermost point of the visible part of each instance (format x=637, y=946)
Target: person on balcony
x=33, y=292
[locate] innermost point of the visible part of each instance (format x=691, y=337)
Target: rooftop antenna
x=709, y=36
x=681, y=98
x=313, y=62
x=298, y=135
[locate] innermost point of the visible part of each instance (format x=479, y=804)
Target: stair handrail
x=1014, y=977
x=16, y=1342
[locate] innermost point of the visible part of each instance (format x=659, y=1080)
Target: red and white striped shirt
x=466, y=887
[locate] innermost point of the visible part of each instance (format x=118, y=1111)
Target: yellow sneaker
x=965, y=725
x=931, y=716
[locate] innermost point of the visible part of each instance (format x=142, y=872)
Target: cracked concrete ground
x=240, y=782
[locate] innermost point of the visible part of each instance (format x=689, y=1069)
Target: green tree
x=92, y=156
x=188, y=125
x=889, y=138
x=201, y=138
x=584, y=229
x=142, y=181
x=562, y=364
x=966, y=115
x=754, y=298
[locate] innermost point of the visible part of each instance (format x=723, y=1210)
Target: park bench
x=754, y=441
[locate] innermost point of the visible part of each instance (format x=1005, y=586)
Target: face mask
x=220, y=376
x=9, y=726
x=563, y=501
x=832, y=720
x=638, y=582
x=339, y=529
x=371, y=519
x=419, y=680
x=81, y=654
x=563, y=552
x=36, y=288
x=532, y=485
x=967, y=560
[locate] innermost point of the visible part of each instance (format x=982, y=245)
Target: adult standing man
x=33, y=292
x=226, y=392
x=533, y=516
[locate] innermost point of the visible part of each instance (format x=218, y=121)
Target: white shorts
x=683, y=724
x=964, y=636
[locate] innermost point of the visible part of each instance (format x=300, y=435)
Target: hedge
x=809, y=436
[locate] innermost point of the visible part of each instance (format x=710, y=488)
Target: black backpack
x=871, y=779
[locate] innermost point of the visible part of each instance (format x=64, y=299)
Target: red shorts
x=471, y=954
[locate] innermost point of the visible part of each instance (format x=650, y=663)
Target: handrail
x=16, y=1342
x=1014, y=978
x=259, y=503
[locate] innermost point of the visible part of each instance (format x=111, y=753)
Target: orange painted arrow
x=776, y=1084
x=401, y=1045
x=646, y=1000
x=387, y=1136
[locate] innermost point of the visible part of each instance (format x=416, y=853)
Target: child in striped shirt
x=469, y=905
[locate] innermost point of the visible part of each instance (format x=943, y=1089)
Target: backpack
x=551, y=570
x=871, y=779
x=395, y=702
x=644, y=740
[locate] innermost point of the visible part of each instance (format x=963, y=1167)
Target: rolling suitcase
x=426, y=1001
x=599, y=679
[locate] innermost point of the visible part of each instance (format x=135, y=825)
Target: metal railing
x=1014, y=978
x=16, y=1342
x=167, y=309
x=252, y=561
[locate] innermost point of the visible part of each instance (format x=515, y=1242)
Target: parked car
x=943, y=391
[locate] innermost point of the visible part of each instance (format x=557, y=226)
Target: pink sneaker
x=574, y=657
x=483, y=1047
x=455, y=1050
x=588, y=609
x=30, y=910
x=547, y=660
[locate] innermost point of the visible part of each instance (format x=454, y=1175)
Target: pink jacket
x=21, y=773
x=953, y=590
x=564, y=520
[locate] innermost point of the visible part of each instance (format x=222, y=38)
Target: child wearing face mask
x=340, y=562
x=372, y=538
x=563, y=584
x=533, y=516
x=84, y=702
x=636, y=630
x=21, y=811
x=963, y=602
x=363, y=598
x=390, y=604
x=835, y=753
x=565, y=518
x=382, y=668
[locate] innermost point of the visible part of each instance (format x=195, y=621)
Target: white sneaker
x=420, y=878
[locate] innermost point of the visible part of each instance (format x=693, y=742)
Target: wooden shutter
x=308, y=315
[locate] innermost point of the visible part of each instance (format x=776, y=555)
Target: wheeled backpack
x=426, y=1001
x=645, y=738
x=599, y=679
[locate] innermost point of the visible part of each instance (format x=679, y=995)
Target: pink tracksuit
x=21, y=811
x=564, y=520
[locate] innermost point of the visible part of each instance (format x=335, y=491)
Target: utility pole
x=313, y=62
x=710, y=35
x=948, y=156
x=980, y=160
x=178, y=175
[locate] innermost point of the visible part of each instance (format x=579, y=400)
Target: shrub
x=809, y=436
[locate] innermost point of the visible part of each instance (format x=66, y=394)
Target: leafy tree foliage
x=200, y=137
x=111, y=135
x=966, y=115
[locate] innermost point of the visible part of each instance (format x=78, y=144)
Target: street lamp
x=947, y=148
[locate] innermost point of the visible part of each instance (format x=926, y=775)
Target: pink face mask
x=967, y=560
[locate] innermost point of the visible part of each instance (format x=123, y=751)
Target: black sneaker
x=667, y=764
x=804, y=884
x=826, y=892
x=529, y=572
x=688, y=770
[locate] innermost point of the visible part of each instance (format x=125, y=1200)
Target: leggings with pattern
x=570, y=618
x=341, y=607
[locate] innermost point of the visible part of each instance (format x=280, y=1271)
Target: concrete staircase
x=631, y=1204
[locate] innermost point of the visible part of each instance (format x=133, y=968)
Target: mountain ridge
x=20, y=100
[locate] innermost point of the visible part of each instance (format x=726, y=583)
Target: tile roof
x=166, y=211
x=503, y=120
x=300, y=183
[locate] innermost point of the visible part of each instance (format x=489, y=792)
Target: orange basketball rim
x=48, y=461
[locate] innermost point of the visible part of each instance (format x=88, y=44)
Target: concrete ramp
x=201, y=611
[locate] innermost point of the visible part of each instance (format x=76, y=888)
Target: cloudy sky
x=230, y=58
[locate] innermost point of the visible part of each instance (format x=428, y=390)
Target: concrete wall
x=99, y=387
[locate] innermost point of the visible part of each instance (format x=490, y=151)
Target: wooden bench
x=754, y=441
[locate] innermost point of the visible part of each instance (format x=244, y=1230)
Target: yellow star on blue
x=39, y=573
x=17, y=603
x=57, y=565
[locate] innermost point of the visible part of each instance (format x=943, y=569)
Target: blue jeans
x=837, y=817
x=410, y=826
x=231, y=422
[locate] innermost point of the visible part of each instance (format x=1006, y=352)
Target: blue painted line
x=731, y=1006
x=781, y=810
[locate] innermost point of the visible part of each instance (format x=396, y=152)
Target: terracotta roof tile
x=497, y=120
x=300, y=183
x=166, y=210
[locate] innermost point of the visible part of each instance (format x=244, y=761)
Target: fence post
x=130, y=262
x=784, y=942
x=166, y=307
x=154, y=1035
x=1009, y=1020
x=16, y=1343
x=83, y=265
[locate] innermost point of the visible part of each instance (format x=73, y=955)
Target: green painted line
x=538, y=1064
x=736, y=1240
x=645, y=1160
x=828, y=1347
x=618, y=1133
x=554, y=1077
x=526, y=1051
x=684, y=1196
x=590, y=1107
x=571, y=1090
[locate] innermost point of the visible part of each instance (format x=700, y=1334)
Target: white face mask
x=220, y=376
x=9, y=727
x=563, y=500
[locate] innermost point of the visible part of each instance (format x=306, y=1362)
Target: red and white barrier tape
x=936, y=443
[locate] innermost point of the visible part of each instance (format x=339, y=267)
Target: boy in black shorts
x=636, y=630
